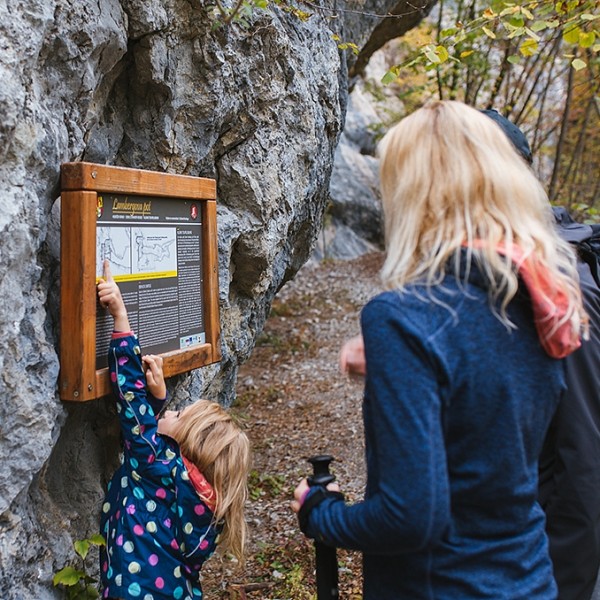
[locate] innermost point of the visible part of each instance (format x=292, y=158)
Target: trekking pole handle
x=326, y=565
x=321, y=475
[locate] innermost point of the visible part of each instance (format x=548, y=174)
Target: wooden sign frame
x=82, y=185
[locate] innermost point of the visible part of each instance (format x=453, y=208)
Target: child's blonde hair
x=209, y=437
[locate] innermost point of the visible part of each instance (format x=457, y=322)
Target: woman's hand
x=302, y=489
x=155, y=380
x=299, y=495
x=352, y=357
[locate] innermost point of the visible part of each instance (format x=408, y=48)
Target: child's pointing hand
x=110, y=297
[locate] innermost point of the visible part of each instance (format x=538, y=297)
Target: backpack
x=585, y=238
x=589, y=252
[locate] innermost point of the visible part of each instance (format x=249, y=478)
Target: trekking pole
x=325, y=556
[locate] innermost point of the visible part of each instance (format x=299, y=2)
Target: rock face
x=148, y=84
x=354, y=223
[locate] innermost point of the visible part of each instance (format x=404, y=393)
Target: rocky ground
x=294, y=404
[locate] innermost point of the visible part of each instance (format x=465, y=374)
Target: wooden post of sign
x=84, y=188
x=78, y=308
x=211, y=270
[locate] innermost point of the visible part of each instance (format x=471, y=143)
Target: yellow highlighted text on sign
x=143, y=276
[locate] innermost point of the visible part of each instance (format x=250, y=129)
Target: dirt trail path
x=295, y=404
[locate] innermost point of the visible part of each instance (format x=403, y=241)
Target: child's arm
x=128, y=381
x=110, y=297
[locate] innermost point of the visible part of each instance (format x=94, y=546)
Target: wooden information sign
x=159, y=234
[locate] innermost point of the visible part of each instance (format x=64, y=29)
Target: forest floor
x=294, y=403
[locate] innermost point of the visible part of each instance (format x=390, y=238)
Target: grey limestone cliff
x=147, y=84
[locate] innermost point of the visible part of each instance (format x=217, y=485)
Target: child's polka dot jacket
x=158, y=529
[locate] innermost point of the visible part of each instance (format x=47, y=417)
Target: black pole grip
x=325, y=556
x=321, y=474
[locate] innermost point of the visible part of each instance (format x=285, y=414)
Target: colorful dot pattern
x=158, y=530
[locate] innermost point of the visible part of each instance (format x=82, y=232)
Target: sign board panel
x=158, y=233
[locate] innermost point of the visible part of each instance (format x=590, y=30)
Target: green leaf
x=442, y=52
x=587, y=39
x=539, y=26
x=489, y=33
x=97, y=539
x=588, y=17
x=545, y=9
x=82, y=548
x=518, y=32
x=510, y=10
x=68, y=576
x=430, y=53
x=448, y=32
x=578, y=64
x=529, y=47
x=571, y=35
x=389, y=77
x=526, y=13
x=466, y=53
x=514, y=59
x=532, y=35
x=461, y=36
x=516, y=21
x=91, y=592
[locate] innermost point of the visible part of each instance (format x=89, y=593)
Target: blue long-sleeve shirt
x=455, y=411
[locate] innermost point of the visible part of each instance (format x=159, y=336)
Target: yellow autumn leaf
x=442, y=52
x=529, y=47
x=510, y=10
x=587, y=39
x=571, y=35
x=525, y=12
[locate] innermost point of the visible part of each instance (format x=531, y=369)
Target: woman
x=462, y=370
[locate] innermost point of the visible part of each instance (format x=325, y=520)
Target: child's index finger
x=106, y=274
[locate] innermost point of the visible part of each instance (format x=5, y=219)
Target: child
x=181, y=487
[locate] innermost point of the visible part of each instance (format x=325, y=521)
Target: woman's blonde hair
x=209, y=437
x=450, y=178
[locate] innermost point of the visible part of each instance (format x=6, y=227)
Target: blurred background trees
x=537, y=63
